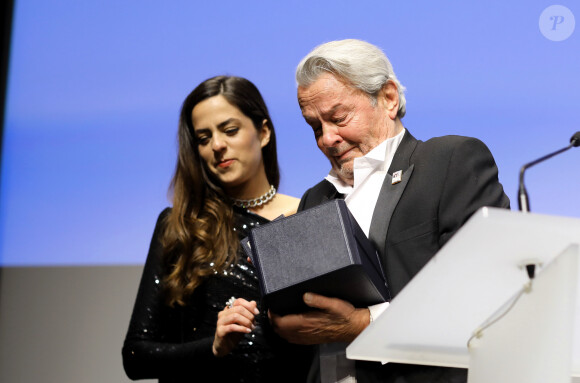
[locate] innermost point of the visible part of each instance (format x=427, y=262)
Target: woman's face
x=228, y=142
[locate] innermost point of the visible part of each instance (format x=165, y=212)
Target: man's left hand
x=333, y=320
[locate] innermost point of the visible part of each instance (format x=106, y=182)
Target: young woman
x=197, y=316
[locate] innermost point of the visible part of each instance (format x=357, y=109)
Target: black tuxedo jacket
x=445, y=180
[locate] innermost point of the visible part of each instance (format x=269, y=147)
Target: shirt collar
x=379, y=158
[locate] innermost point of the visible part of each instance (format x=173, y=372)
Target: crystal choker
x=249, y=203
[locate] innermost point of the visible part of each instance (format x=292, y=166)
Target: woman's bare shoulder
x=288, y=204
x=281, y=205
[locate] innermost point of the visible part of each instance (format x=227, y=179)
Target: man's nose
x=330, y=135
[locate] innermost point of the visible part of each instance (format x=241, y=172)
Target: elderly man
x=409, y=196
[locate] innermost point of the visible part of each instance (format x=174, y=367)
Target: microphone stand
x=523, y=199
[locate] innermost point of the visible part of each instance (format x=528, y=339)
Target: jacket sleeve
x=149, y=351
x=471, y=183
x=319, y=193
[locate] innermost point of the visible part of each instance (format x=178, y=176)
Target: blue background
x=95, y=88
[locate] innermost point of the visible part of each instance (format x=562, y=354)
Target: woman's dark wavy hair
x=199, y=237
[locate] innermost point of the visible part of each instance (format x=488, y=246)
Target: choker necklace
x=249, y=203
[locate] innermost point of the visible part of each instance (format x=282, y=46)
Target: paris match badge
x=397, y=177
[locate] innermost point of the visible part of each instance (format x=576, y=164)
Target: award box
x=321, y=250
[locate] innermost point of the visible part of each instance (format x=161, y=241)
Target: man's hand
x=334, y=320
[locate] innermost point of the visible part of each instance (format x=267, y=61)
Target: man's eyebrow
x=324, y=114
x=332, y=110
x=310, y=119
x=335, y=108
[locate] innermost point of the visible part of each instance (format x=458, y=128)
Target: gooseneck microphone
x=523, y=200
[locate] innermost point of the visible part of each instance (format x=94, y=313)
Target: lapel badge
x=397, y=177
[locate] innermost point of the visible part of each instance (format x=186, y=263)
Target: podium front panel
x=431, y=320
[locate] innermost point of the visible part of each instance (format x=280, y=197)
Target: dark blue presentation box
x=321, y=250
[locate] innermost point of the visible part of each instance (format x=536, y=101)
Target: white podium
x=476, y=291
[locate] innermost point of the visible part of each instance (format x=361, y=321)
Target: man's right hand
x=332, y=320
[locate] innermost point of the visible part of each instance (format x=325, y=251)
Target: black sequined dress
x=175, y=344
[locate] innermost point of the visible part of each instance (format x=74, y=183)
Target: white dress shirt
x=369, y=174
x=361, y=199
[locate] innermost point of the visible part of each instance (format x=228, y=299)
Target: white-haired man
x=409, y=196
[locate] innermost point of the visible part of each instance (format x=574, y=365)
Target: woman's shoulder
x=164, y=213
x=281, y=205
x=288, y=204
x=162, y=217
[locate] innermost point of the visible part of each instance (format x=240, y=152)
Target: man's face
x=345, y=123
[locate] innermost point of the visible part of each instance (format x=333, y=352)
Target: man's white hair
x=363, y=65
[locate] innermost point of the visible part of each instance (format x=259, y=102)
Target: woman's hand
x=233, y=322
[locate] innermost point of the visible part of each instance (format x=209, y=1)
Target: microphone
x=523, y=200
x=575, y=140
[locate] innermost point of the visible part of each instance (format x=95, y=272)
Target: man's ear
x=388, y=97
x=265, y=133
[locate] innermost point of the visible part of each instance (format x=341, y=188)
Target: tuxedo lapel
x=391, y=193
x=388, y=199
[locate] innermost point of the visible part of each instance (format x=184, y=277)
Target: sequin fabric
x=174, y=344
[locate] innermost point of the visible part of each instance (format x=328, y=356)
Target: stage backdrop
x=95, y=89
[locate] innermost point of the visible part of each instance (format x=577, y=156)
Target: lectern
x=475, y=306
